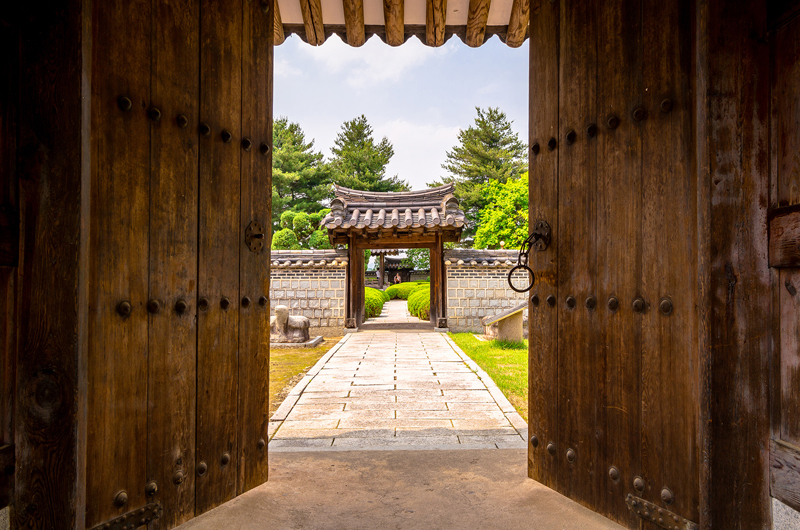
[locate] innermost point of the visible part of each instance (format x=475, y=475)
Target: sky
x=416, y=96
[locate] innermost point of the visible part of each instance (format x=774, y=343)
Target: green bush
x=285, y=239
x=403, y=290
x=319, y=239
x=419, y=303
x=287, y=219
x=373, y=302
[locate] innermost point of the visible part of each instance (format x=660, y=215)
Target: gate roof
x=392, y=219
x=395, y=21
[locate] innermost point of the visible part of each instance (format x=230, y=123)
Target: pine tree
x=301, y=180
x=488, y=151
x=359, y=163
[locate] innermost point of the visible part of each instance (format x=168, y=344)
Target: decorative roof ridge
x=433, y=195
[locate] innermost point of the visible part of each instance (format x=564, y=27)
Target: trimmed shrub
x=403, y=290
x=319, y=239
x=373, y=302
x=419, y=303
x=285, y=239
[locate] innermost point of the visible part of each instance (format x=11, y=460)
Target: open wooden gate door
x=179, y=276
x=614, y=380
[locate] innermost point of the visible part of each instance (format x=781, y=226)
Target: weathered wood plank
x=435, y=15
x=7, y=466
x=670, y=376
x=787, y=103
x=279, y=36
x=784, y=239
x=438, y=293
x=9, y=106
x=312, y=20
x=476, y=23
x=787, y=365
x=55, y=100
x=256, y=205
x=171, y=383
x=732, y=134
x=543, y=205
x=518, y=23
x=120, y=196
x=619, y=253
x=354, y=21
x=218, y=249
x=577, y=327
x=393, y=15
x=784, y=476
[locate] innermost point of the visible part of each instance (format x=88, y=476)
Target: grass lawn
x=505, y=362
x=287, y=366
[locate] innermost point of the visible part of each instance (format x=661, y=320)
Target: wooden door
x=784, y=258
x=613, y=364
x=178, y=312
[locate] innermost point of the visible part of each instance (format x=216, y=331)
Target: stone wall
x=477, y=286
x=311, y=283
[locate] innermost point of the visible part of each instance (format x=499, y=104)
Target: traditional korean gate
x=179, y=278
x=614, y=377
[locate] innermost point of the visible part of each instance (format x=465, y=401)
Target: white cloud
x=375, y=62
x=420, y=149
x=284, y=69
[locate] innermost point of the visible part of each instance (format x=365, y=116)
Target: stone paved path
x=395, y=316
x=384, y=390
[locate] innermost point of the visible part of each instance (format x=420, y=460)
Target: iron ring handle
x=524, y=267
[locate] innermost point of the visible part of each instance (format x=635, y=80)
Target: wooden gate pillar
x=438, y=282
x=733, y=106
x=54, y=151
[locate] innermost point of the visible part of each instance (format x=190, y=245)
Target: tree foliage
x=360, y=163
x=488, y=151
x=301, y=180
x=505, y=216
x=300, y=230
x=418, y=259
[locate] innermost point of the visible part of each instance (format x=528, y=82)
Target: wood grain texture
x=171, y=379
x=787, y=365
x=543, y=108
x=784, y=476
x=9, y=107
x=120, y=196
x=784, y=239
x=619, y=253
x=577, y=328
x=312, y=20
x=732, y=87
x=518, y=23
x=55, y=100
x=787, y=102
x=218, y=248
x=476, y=23
x=435, y=15
x=354, y=21
x=438, y=308
x=7, y=463
x=256, y=195
x=670, y=375
x=394, y=15
x=279, y=36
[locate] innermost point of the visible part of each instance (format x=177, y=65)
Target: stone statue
x=286, y=328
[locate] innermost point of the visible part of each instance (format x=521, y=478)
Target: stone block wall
x=477, y=286
x=311, y=283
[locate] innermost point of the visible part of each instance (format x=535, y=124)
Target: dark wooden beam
x=54, y=146
x=732, y=90
x=435, y=15
x=312, y=19
x=393, y=15
x=784, y=476
x=518, y=23
x=280, y=36
x=7, y=468
x=354, y=21
x=476, y=23
x=784, y=239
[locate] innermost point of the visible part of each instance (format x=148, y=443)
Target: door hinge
x=254, y=237
x=133, y=519
x=658, y=515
